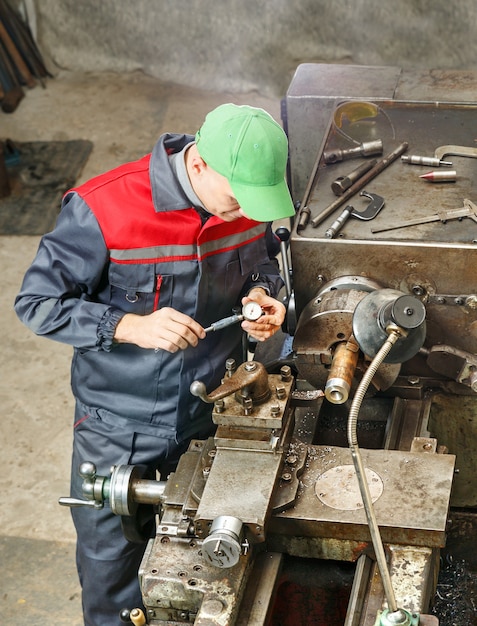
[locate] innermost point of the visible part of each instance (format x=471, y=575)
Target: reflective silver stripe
x=154, y=253
x=189, y=251
x=231, y=241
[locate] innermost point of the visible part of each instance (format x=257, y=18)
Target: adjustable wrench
x=370, y=212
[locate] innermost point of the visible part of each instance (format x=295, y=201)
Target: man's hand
x=165, y=329
x=270, y=322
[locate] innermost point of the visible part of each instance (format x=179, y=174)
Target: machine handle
x=76, y=502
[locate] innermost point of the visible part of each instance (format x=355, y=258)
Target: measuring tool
x=251, y=311
x=369, y=213
x=468, y=210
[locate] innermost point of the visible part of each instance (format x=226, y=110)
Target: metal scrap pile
x=21, y=64
x=455, y=602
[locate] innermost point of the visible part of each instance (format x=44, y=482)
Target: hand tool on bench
x=342, y=183
x=369, y=213
x=468, y=210
x=463, y=151
x=415, y=159
x=360, y=183
x=368, y=148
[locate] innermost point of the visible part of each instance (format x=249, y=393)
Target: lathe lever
x=76, y=502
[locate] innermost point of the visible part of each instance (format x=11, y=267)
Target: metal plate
x=412, y=509
x=338, y=487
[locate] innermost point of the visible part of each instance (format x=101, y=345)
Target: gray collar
x=178, y=166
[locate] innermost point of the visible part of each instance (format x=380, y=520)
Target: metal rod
x=223, y=323
x=304, y=214
x=361, y=183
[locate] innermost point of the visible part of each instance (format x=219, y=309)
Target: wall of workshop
x=243, y=45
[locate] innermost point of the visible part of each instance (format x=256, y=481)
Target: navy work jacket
x=128, y=241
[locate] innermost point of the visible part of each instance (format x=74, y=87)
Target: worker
x=142, y=259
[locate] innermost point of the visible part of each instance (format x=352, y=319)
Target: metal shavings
x=455, y=602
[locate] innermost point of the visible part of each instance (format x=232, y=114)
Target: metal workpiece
x=342, y=370
x=365, y=149
x=444, y=176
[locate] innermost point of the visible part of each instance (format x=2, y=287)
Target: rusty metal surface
x=241, y=485
x=412, y=509
x=413, y=592
x=179, y=585
x=260, y=592
x=436, y=85
x=453, y=420
x=435, y=267
x=261, y=415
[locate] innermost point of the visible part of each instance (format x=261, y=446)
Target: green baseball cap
x=247, y=146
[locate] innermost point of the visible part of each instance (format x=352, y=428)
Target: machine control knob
x=407, y=312
x=282, y=233
x=389, y=307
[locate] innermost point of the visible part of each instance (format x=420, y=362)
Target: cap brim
x=264, y=204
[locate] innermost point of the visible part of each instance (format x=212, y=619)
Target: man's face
x=218, y=198
x=212, y=188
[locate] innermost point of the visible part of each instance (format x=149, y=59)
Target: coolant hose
x=394, y=333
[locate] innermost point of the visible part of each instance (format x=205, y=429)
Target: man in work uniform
x=142, y=259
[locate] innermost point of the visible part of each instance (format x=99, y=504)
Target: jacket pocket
x=138, y=289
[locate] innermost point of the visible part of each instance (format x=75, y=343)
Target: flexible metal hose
x=394, y=334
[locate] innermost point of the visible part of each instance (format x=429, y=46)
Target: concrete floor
x=122, y=115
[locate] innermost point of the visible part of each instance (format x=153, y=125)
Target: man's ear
x=195, y=162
